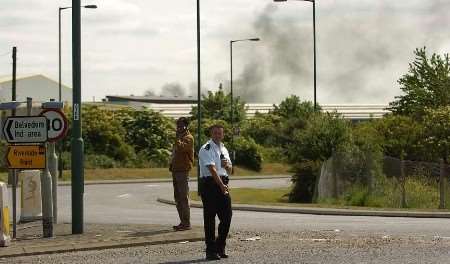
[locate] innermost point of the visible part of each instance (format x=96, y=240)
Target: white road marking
x=151, y=185
x=126, y=195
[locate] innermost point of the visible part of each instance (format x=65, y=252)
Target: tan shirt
x=183, y=153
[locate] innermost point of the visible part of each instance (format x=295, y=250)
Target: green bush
x=247, y=154
x=304, y=181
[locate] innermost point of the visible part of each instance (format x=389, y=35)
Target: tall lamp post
x=314, y=35
x=199, y=98
x=77, y=138
x=59, y=27
x=231, y=91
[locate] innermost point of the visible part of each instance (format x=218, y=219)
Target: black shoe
x=223, y=255
x=212, y=256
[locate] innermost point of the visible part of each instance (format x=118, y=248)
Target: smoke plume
x=360, y=55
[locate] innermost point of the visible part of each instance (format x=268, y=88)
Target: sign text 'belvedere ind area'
x=29, y=129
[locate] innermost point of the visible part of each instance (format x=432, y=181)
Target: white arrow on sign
x=25, y=129
x=57, y=123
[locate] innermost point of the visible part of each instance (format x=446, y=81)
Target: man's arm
x=184, y=144
x=228, y=165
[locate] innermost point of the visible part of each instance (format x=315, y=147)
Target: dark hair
x=216, y=126
x=183, y=120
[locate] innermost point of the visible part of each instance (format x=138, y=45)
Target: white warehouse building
x=38, y=87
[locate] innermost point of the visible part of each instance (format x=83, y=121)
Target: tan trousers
x=181, y=195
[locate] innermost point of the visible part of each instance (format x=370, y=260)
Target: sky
x=133, y=46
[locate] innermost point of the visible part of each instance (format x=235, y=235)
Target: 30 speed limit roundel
x=57, y=124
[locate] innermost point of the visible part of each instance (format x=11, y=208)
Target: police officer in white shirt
x=215, y=167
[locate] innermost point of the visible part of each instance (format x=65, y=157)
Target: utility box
x=31, y=202
x=5, y=238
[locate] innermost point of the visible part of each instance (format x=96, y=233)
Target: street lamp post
x=315, y=50
x=199, y=98
x=77, y=139
x=59, y=31
x=231, y=92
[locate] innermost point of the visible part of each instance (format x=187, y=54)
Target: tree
x=150, y=133
x=401, y=137
x=437, y=132
x=426, y=85
x=217, y=105
x=292, y=107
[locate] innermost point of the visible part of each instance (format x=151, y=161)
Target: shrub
x=304, y=181
x=247, y=154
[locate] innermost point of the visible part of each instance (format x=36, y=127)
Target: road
x=136, y=204
x=285, y=238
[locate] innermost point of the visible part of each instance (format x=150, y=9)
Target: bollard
x=5, y=238
x=31, y=207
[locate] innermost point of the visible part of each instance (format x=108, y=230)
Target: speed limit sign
x=57, y=124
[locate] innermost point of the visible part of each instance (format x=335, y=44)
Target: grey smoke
x=360, y=55
x=173, y=89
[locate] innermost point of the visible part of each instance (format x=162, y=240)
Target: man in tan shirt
x=180, y=166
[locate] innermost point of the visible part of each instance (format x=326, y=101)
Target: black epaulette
x=208, y=146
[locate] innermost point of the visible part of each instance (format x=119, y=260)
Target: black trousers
x=215, y=203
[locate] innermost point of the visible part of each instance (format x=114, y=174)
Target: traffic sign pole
x=58, y=126
x=53, y=168
x=47, y=207
x=14, y=172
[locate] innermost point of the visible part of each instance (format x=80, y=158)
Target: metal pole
x=59, y=51
x=403, y=183
x=47, y=207
x=14, y=172
x=315, y=55
x=60, y=98
x=77, y=140
x=199, y=98
x=442, y=183
x=231, y=95
x=53, y=168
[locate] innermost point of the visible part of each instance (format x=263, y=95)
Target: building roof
x=8, y=78
x=152, y=99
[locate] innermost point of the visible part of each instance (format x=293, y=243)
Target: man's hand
x=226, y=165
x=224, y=188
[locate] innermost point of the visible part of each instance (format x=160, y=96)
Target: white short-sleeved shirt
x=210, y=155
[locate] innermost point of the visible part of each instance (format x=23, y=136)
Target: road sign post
x=58, y=126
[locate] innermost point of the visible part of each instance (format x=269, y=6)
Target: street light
x=314, y=36
x=231, y=90
x=199, y=99
x=59, y=23
x=77, y=139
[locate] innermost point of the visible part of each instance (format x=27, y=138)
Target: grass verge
x=278, y=197
x=161, y=173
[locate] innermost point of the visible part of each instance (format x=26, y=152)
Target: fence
x=363, y=180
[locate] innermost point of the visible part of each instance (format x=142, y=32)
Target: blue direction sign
x=25, y=129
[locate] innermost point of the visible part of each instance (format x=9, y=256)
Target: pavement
x=30, y=242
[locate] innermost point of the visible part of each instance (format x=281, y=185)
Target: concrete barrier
x=31, y=202
x=5, y=238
